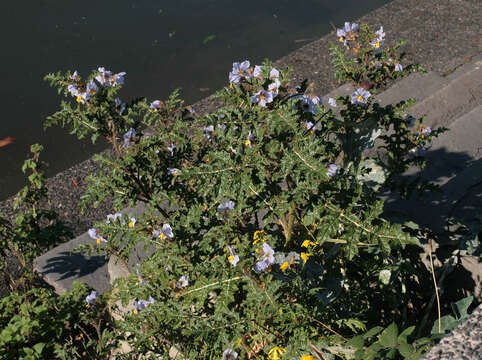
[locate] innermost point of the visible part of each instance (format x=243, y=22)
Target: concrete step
x=454, y=163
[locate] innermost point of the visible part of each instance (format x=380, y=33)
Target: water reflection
x=161, y=45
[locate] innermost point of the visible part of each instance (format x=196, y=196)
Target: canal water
x=161, y=45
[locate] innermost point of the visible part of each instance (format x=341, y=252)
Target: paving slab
x=454, y=163
x=60, y=266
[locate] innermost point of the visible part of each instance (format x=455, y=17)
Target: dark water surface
x=162, y=45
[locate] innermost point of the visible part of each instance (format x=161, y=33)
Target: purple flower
x=229, y=354
x=332, y=170
x=260, y=266
x=239, y=72
x=113, y=217
x=425, y=131
x=171, y=149
x=209, y=132
x=155, y=105
x=129, y=138
x=75, y=76
x=173, y=171
x=249, y=140
x=142, y=304
x=398, y=67
x=308, y=103
x=73, y=90
x=94, y=234
x=233, y=258
x=274, y=86
x=262, y=98
x=228, y=205
x=117, y=79
x=360, y=96
x=104, y=77
x=141, y=280
x=348, y=31
x=268, y=254
x=308, y=125
x=120, y=106
x=332, y=102
x=183, y=281
x=274, y=74
x=90, y=299
x=165, y=232
x=258, y=72
x=380, y=34
x=268, y=259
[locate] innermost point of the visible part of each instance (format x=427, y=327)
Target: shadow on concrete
x=455, y=173
x=73, y=265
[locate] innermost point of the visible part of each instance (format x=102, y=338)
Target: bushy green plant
x=39, y=324
x=262, y=218
x=36, y=226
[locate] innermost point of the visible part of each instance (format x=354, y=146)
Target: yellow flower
x=307, y=357
x=285, y=266
x=276, y=353
x=307, y=243
x=305, y=257
x=258, y=236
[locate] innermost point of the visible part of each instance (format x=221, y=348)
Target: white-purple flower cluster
x=228, y=205
x=349, y=29
x=129, y=138
x=83, y=95
x=308, y=103
x=267, y=260
x=425, y=131
x=229, y=354
x=94, y=234
x=90, y=299
x=378, y=42
x=142, y=304
x=105, y=78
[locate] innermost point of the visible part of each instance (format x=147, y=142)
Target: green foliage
x=380, y=343
x=36, y=227
x=448, y=322
x=263, y=219
x=42, y=325
x=363, y=58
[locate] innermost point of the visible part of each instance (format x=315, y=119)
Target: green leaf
x=356, y=342
x=405, y=349
x=462, y=306
x=447, y=322
x=389, y=336
x=372, y=332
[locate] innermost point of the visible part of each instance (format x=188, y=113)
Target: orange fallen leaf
x=75, y=182
x=7, y=141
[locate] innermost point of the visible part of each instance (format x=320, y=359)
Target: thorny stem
x=211, y=285
x=328, y=328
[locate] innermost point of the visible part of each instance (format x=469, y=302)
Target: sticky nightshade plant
x=259, y=227
x=363, y=56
